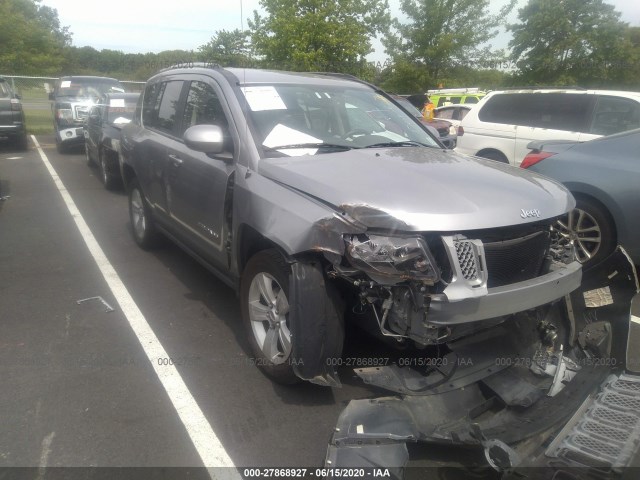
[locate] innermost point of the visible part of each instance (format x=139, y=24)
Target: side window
x=558, y=111
x=203, y=107
x=167, y=107
x=445, y=113
x=505, y=108
x=149, y=105
x=160, y=104
x=471, y=100
x=615, y=114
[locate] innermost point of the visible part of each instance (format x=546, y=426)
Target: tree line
x=436, y=43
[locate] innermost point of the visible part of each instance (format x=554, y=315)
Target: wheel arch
x=485, y=152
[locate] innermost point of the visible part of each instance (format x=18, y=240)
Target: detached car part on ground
x=286, y=188
x=556, y=388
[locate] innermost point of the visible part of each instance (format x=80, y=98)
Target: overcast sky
x=140, y=26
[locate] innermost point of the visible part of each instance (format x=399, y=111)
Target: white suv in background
x=504, y=122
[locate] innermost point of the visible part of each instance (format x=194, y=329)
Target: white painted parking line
x=206, y=442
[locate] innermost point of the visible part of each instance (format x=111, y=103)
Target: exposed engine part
x=548, y=333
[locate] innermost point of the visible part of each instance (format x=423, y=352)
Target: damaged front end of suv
x=554, y=387
x=415, y=266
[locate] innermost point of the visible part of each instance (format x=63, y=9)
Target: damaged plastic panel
x=511, y=388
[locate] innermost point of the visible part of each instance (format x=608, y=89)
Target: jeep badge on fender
x=530, y=213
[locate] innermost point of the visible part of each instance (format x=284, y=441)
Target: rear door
x=157, y=139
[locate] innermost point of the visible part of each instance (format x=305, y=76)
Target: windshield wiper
x=406, y=143
x=310, y=145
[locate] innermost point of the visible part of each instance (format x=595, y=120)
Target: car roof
x=576, y=91
x=249, y=76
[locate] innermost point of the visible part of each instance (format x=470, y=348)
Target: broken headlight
x=389, y=260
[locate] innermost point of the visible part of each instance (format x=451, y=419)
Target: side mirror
x=208, y=139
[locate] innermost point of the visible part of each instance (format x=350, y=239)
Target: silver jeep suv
x=321, y=200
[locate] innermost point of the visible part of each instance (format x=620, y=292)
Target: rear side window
x=4, y=90
x=160, y=105
x=445, y=113
x=557, y=111
x=615, y=114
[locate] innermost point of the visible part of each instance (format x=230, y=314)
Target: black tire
x=90, y=161
x=109, y=180
x=493, y=155
x=591, y=229
x=22, y=142
x=143, y=228
x=268, y=266
x=60, y=147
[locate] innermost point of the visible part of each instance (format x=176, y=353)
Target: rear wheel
x=109, y=180
x=264, y=296
x=591, y=230
x=88, y=155
x=142, y=226
x=22, y=142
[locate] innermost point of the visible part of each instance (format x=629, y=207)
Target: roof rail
x=544, y=87
x=346, y=76
x=454, y=90
x=190, y=65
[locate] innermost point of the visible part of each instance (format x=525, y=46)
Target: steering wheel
x=355, y=131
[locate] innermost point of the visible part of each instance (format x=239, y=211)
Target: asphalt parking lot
x=78, y=388
x=88, y=383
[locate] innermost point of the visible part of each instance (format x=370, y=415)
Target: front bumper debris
x=548, y=388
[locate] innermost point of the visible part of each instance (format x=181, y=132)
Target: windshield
x=408, y=106
x=121, y=111
x=296, y=120
x=88, y=87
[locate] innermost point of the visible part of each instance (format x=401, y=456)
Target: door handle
x=177, y=161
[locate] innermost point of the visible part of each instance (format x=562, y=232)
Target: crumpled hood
x=421, y=189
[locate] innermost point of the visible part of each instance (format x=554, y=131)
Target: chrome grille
x=467, y=259
x=82, y=111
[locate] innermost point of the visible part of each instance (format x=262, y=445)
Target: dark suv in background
x=12, y=124
x=73, y=97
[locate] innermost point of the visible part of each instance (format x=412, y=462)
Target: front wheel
x=264, y=296
x=143, y=228
x=590, y=229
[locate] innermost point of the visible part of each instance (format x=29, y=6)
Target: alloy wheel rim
x=137, y=214
x=268, y=310
x=581, y=229
x=103, y=170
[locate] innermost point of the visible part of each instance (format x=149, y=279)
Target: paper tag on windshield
x=263, y=98
x=117, y=102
